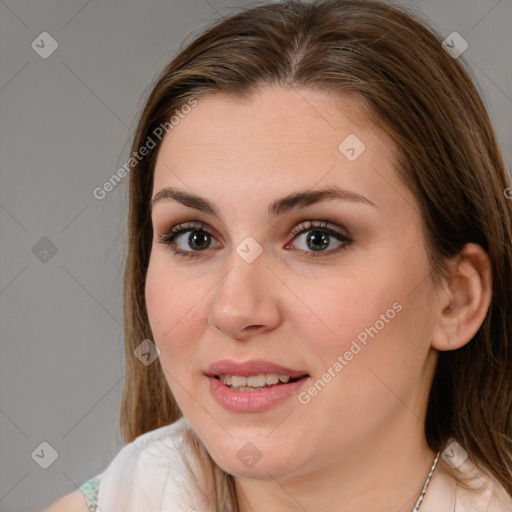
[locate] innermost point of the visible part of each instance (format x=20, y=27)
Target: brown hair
x=393, y=62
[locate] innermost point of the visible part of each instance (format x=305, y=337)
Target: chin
x=259, y=460
x=262, y=470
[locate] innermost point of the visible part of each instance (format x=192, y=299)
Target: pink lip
x=252, y=401
x=253, y=367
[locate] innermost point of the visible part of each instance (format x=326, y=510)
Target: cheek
x=381, y=341
x=173, y=309
x=376, y=319
x=158, y=296
x=343, y=308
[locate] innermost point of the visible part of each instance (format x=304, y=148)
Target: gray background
x=65, y=124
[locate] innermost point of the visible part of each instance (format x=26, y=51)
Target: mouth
x=253, y=386
x=257, y=382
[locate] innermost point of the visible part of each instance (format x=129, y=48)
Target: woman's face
x=333, y=290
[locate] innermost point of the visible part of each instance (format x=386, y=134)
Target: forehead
x=278, y=139
x=283, y=121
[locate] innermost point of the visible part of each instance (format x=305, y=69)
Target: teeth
x=247, y=388
x=254, y=381
x=226, y=379
x=238, y=380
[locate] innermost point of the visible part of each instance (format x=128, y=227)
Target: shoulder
x=175, y=432
x=153, y=449
x=72, y=502
x=492, y=491
x=159, y=470
x=465, y=486
x=163, y=442
x=163, y=448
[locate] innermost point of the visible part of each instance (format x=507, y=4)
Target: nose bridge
x=239, y=287
x=243, y=297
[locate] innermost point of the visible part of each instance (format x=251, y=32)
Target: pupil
x=195, y=237
x=324, y=237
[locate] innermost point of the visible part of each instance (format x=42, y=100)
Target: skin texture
x=72, y=502
x=359, y=442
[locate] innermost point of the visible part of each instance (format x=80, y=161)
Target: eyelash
x=320, y=226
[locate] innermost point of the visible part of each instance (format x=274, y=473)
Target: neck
x=382, y=474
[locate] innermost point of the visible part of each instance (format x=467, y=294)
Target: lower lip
x=253, y=401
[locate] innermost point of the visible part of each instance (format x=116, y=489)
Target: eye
x=319, y=237
x=199, y=239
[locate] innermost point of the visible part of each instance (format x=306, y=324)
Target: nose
x=247, y=301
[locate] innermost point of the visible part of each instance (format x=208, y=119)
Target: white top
x=150, y=475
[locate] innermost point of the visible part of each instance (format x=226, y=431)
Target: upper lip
x=252, y=367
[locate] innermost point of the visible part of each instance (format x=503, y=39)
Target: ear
x=464, y=302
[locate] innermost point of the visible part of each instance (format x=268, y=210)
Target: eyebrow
x=280, y=206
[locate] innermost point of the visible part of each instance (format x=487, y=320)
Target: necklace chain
x=420, y=499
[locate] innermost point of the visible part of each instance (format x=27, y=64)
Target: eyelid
x=300, y=227
x=320, y=224
x=168, y=237
x=340, y=229
x=167, y=234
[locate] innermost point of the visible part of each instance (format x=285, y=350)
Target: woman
x=317, y=288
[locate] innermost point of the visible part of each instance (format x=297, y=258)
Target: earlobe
x=464, y=302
